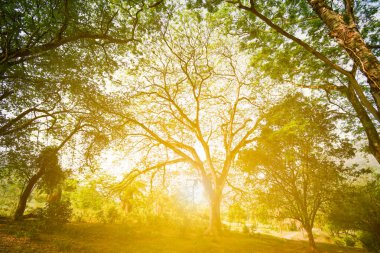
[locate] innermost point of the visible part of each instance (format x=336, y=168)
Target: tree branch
x=278, y=29
x=128, y=179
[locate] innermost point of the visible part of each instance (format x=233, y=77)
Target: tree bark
x=25, y=195
x=215, y=223
x=127, y=206
x=309, y=231
x=348, y=37
x=214, y=196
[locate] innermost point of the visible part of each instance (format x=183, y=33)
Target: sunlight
x=261, y=175
x=200, y=151
x=189, y=126
x=115, y=163
x=195, y=192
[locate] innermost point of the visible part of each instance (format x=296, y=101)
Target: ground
x=28, y=237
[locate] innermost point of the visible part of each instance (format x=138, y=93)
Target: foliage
x=186, y=91
x=49, y=163
x=54, y=56
x=236, y=213
x=296, y=159
x=8, y=190
x=370, y=241
x=357, y=207
x=90, y=204
x=296, y=42
x=57, y=212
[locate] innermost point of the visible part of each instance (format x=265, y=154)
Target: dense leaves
x=164, y=88
x=356, y=207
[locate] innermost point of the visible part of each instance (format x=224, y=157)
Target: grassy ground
x=30, y=237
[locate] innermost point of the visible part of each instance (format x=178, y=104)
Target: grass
x=30, y=236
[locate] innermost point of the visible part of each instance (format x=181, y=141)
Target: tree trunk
x=309, y=231
x=215, y=223
x=350, y=39
x=55, y=195
x=365, y=120
x=127, y=206
x=25, y=195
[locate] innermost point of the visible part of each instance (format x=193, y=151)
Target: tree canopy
x=299, y=156
x=315, y=44
x=136, y=111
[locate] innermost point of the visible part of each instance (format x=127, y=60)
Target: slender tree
x=297, y=154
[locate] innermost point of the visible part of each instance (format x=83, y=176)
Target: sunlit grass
x=158, y=237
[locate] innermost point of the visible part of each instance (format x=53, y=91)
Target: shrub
x=369, y=242
x=57, y=213
x=349, y=241
x=112, y=214
x=246, y=229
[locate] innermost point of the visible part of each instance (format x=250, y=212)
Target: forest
x=190, y=126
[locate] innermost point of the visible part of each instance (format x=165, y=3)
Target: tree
x=298, y=156
x=343, y=27
x=337, y=40
x=194, y=103
x=34, y=154
x=49, y=49
x=128, y=196
x=30, y=29
x=356, y=207
x=54, y=58
x=47, y=166
x=47, y=162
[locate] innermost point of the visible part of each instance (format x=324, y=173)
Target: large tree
x=79, y=123
x=51, y=48
x=54, y=59
x=194, y=102
x=34, y=158
x=31, y=29
x=319, y=45
x=298, y=157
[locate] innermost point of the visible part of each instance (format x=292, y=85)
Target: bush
x=112, y=214
x=246, y=229
x=369, y=242
x=349, y=241
x=293, y=226
x=108, y=214
x=57, y=213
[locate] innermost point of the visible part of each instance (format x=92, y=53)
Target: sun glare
x=200, y=151
x=115, y=163
x=188, y=187
x=189, y=126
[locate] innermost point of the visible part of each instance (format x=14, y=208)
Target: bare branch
x=128, y=179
